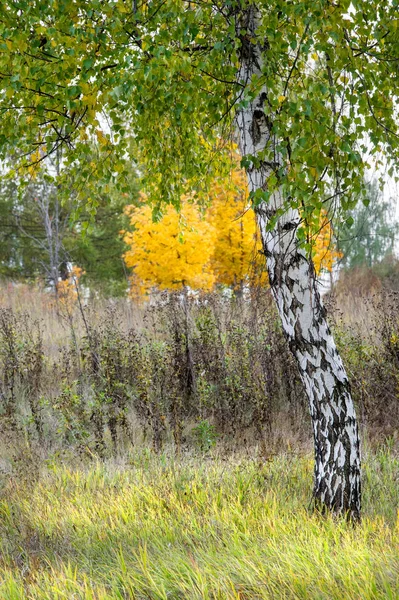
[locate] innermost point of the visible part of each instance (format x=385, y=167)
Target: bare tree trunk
x=47, y=205
x=292, y=281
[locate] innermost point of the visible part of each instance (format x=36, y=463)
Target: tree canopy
x=172, y=253
x=157, y=82
x=39, y=235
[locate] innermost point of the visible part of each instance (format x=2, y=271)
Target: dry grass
x=56, y=320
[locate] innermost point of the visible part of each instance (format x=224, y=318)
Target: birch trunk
x=292, y=281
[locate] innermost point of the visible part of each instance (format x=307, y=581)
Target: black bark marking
x=289, y=226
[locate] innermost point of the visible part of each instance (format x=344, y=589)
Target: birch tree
x=293, y=284
x=308, y=88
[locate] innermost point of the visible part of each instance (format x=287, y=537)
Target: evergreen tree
x=371, y=235
x=99, y=249
x=33, y=224
x=40, y=235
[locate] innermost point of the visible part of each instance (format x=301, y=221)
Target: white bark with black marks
x=292, y=280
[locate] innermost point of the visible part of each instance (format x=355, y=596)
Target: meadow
x=121, y=477
x=157, y=527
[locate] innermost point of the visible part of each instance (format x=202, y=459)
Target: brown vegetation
x=186, y=371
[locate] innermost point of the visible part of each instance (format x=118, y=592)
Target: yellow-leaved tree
x=325, y=254
x=237, y=259
x=199, y=249
x=172, y=253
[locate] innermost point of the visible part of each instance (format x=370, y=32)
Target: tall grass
x=112, y=375
x=159, y=528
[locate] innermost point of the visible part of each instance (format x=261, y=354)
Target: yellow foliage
x=324, y=252
x=222, y=246
x=102, y=139
x=67, y=290
x=172, y=253
x=34, y=163
x=237, y=258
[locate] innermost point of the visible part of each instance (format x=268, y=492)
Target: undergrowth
x=191, y=371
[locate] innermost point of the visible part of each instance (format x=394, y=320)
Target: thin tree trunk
x=292, y=281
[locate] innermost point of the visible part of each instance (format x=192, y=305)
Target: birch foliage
x=156, y=82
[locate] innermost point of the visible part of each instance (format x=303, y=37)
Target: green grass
x=165, y=528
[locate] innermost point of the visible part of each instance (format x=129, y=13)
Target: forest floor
x=159, y=527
